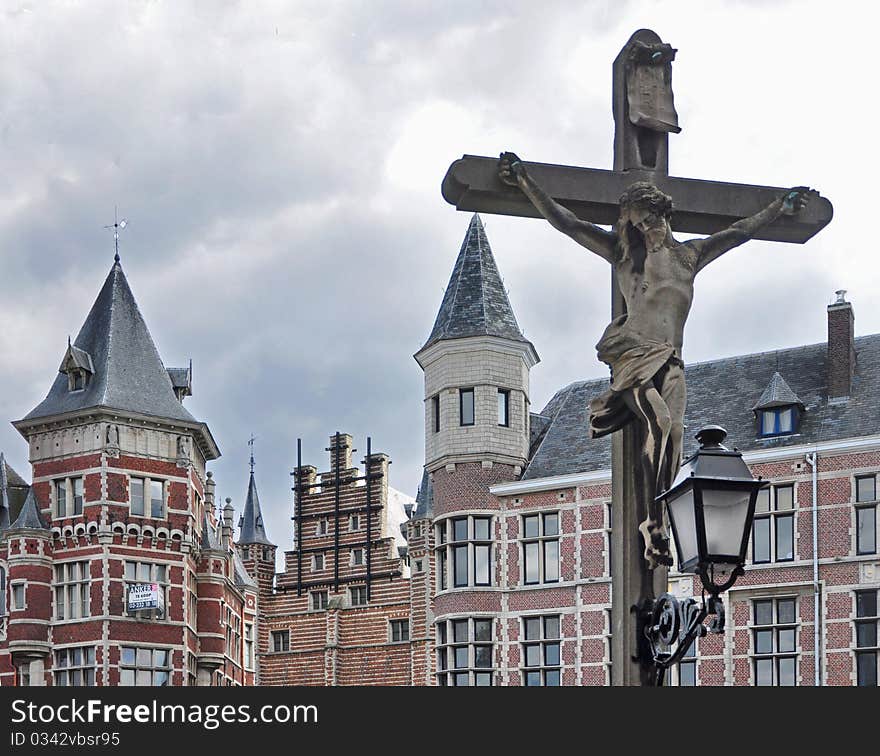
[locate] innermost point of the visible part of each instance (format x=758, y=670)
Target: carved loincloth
x=634, y=362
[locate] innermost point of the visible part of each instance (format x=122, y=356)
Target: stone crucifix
x=652, y=287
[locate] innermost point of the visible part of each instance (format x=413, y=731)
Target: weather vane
x=117, y=224
x=251, y=444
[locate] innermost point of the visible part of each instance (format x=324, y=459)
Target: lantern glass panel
x=681, y=510
x=725, y=514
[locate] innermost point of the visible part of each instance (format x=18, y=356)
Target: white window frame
x=316, y=559
x=361, y=592
x=66, y=671
x=318, y=605
x=69, y=487
x=358, y=557
x=282, y=634
x=401, y=622
x=148, y=498
x=155, y=570
x=542, y=540
x=12, y=589
x=140, y=666
x=65, y=586
x=354, y=522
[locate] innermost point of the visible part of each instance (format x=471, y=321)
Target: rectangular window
x=319, y=599
x=773, y=528
x=465, y=543
x=687, y=667
x=74, y=666
x=280, y=640
x=248, y=646
x=2, y=591
x=357, y=557
x=541, y=548
x=866, y=626
x=157, y=500
x=18, y=598
x=137, y=496
x=323, y=527
x=866, y=514
x=68, y=497
x=317, y=561
x=145, y=666
x=464, y=652
x=358, y=595
x=503, y=407
x=435, y=412
x=399, y=630
x=774, y=641
x=541, y=651
x=354, y=522
x=466, y=406
x=147, y=572
x=71, y=585
x=147, y=497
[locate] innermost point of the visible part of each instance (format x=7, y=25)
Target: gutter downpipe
x=813, y=460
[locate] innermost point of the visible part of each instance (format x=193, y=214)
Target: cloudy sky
x=280, y=164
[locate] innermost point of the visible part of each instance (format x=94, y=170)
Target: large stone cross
x=644, y=114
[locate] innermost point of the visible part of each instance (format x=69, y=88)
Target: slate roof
x=777, y=394
x=475, y=302
x=723, y=392
x=128, y=372
x=251, y=528
x=13, y=492
x=29, y=517
x=210, y=541
x=424, y=499
x=240, y=573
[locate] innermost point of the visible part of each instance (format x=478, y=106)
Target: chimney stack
x=841, y=359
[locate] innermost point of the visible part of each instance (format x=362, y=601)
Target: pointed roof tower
x=475, y=302
x=29, y=517
x=250, y=525
x=118, y=367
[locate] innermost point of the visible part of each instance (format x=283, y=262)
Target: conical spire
x=250, y=526
x=29, y=517
x=475, y=302
x=126, y=370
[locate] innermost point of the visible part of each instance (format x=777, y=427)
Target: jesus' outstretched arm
x=712, y=247
x=512, y=171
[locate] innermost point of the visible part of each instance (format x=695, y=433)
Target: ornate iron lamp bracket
x=670, y=626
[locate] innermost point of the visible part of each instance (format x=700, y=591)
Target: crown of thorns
x=644, y=194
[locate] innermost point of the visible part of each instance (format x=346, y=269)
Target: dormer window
x=78, y=379
x=779, y=409
x=777, y=422
x=77, y=365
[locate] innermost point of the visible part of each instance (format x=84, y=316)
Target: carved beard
x=634, y=247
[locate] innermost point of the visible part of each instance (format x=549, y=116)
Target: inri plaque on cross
x=652, y=279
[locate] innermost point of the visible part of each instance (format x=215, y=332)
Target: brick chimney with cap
x=841, y=347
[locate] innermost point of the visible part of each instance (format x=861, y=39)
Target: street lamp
x=711, y=505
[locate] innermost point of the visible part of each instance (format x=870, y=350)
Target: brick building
x=514, y=510
x=341, y=612
x=114, y=567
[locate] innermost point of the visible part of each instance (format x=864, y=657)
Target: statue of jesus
x=643, y=347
